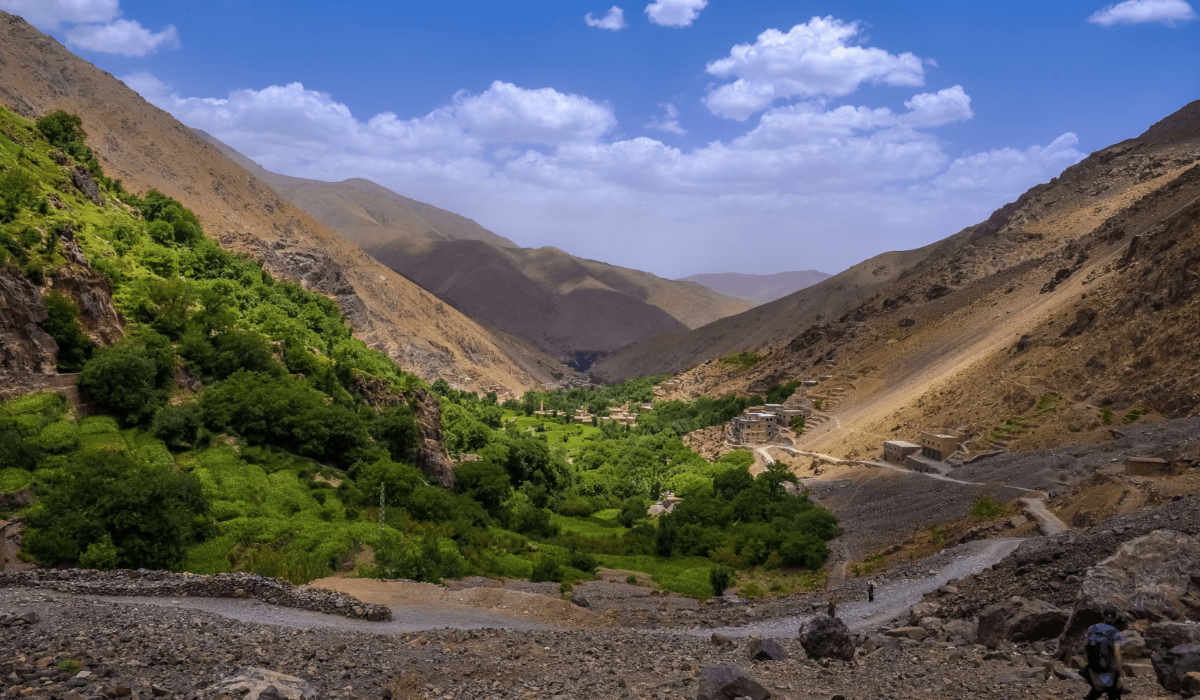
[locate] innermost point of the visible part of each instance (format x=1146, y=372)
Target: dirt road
x=892, y=600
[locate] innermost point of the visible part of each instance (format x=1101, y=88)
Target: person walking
x=870, y=591
x=1103, y=652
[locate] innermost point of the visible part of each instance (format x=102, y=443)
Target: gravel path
x=891, y=600
x=404, y=619
x=1050, y=523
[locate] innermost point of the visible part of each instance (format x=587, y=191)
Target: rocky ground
x=137, y=650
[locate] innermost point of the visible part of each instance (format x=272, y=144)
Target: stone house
x=939, y=443
x=895, y=451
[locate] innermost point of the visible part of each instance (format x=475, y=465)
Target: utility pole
x=382, y=504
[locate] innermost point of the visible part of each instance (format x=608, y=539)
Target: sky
x=674, y=136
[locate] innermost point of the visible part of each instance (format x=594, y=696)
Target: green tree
x=177, y=426
x=485, y=481
x=720, y=578
x=121, y=379
x=396, y=431
x=66, y=132
x=146, y=511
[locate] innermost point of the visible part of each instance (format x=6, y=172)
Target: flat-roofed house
x=939, y=443
x=896, y=451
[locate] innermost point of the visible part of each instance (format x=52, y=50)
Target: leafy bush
x=632, y=511
x=18, y=188
x=484, y=481
x=428, y=559
x=100, y=555
x=803, y=549
x=147, y=512
x=122, y=380
x=177, y=426
x=534, y=522
x=66, y=132
x=720, y=578
x=741, y=361
x=62, y=323
x=583, y=562
x=547, y=569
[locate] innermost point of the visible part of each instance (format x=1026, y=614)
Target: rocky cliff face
x=24, y=347
x=432, y=456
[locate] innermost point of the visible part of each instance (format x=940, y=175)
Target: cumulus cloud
x=825, y=186
x=146, y=84
x=51, y=15
x=123, y=36
x=675, y=13
x=669, y=122
x=815, y=58
x=613, y=20
x=98, y=25
x=1141, y=11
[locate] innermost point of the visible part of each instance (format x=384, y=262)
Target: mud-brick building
x=939, y=443
x=895, y=451
x=1143, y=465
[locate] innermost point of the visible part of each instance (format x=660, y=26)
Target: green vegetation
x=281, y=466
x=938, y=535
x=1008, y=428
x=869, y=565
x=986, y=508
x=69, y=666
x=1135, y=413
x=798, y=424
x=742, y=361
x=1046, y=404
x=1106, y=415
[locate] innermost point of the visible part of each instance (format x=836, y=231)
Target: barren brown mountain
x=576, y=309
x=147, y=148
x=1063, y=315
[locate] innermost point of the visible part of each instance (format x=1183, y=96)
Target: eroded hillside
x=1084, y=289
x=147, y=148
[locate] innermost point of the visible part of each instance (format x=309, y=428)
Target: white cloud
x=1141, y=11
x=97, y=25
x=822, y=186
x=675, y=13
x=50, y=15
x=146, y=85
x=123, y=36
x=670, y=121
x=809, y=60
x=613, y=20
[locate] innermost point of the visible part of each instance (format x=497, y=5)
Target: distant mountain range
x=577, y=310
x=759, y=289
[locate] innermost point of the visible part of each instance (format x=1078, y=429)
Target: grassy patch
x=741, y=361
x=1047, y=403
x=1008, y=428
x=592, y=526
x=986, y=508
x=684, y=575
x=1135, y=413
x=1106, y=416
x=12, y=480
x=869, y=565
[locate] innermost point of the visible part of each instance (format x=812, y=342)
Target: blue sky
x=690, y=138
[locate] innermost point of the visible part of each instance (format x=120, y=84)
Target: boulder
x=721, y=640
x=728, y=682
x=581, y=599
x=1191, y=684
x=914, y=633
x=1022, y=676
x=964, y=629
x=823, y=637
x=1173, y=634
x=1155, y=577
x=1019, y=620
x=766, y=650
x=253, y=683
x=1172, y=666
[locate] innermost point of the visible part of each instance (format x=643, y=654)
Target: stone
x=1141, y=668
x=159, y=691
x=914, y=633
x=766, y=650
x=581, y=599
x=1019, y=620
x=1150, y=577
x=729, y=682
x=1173, y=634
x=81, y=177
x=825, y=637
x=1172, y=666
x=28, y=618
x=1191, y=683
x=1022, y=676
x=1133, y=646
x=249, y=683
x=965, y=629
x=721, y=640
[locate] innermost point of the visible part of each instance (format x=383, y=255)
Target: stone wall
x=167, y=584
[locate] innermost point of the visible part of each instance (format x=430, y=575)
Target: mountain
x=1084, y=291
x=577, y=310
x=759, y=289
x=421, y=332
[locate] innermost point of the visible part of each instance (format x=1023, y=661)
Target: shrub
x=1106, y=416
x=62, y=323
x=66, y=132
x=583, y=561
x=534, y=522
x=547, y=569
x=177, y=426
x=632, y=511
x=720, y=578
x=396, y=431
x=147, y=511
x=751, y=590
x=122, y=380
x=428, y=559
x=986, y=508
x=59, y=437
x=18, y=188
x=484, y=481
x=631, y=580
x=803, y=549
x=741, y=361
x=68, y=666
x=100, y=555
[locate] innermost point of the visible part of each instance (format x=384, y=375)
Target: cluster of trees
x=596, y=400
